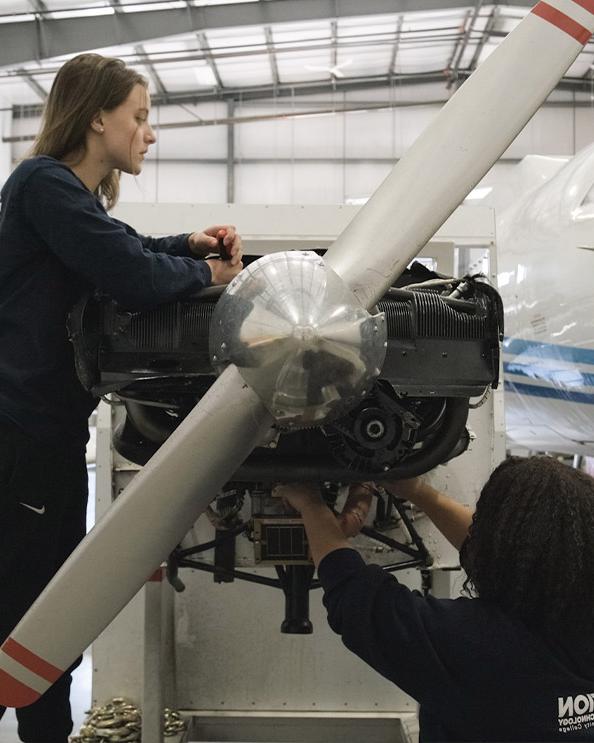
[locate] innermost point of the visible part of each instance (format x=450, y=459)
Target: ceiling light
x=142, y=7
x=205, y=76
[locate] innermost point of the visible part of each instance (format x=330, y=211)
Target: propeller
x=151, y=516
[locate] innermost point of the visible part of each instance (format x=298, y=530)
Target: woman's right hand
x=223, y=272
x=411, y=490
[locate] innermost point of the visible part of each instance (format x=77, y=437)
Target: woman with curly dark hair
x=514, y=661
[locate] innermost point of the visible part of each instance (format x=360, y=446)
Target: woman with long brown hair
x=57, y=241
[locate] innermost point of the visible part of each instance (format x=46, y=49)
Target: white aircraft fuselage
x=546, y=279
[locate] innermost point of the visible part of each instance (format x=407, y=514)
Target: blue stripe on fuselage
x=564, y=378
x=531, y=390
x=539, y=350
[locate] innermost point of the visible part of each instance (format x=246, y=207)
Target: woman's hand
x=206, y=242
x=356, y=509
x=451, y=518
x=413, y=490
x=299, y=495
x=305, y=496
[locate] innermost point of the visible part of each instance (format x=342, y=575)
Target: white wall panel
x=506, y=184
x=370, y=133
x=318, y=184
x=25, y=126
x=300, y=183
x=176, y=182
x=191, y=142
x=210, y=110
x=550, y=132
x=584, y=127
x=361, y=180
x=264, y=184
x=309, y=136
x=399, y=92
x=318, y=136
x=263, y=139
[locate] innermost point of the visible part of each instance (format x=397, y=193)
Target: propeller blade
x=468, y=135
x=141, y=528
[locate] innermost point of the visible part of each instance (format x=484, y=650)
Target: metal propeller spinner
x=299, y=337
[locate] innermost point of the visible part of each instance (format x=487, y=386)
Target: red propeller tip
x=13, y=693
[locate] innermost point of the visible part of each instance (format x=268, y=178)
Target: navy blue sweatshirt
x=477, y=674
x=57, y=242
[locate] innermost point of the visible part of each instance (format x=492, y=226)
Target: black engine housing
x=441, y=352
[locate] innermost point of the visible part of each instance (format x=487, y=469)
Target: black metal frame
x=419, y=554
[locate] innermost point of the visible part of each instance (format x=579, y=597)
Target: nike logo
x=40, y=511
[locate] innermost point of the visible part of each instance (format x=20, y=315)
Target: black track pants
x=43, y=501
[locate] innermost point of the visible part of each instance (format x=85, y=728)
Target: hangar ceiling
x=195, y=50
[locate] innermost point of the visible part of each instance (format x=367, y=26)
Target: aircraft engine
x=442, y=349
x=339, y=417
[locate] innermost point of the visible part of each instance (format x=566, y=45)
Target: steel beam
x=20, y=42
x=487, y=33
x=38, y=6
x=471, y=20
x=291, y=114
x=322, y=87
x=210, y=60
x=334, y=49
x=285, y=90
x=142, y=55
x=396, y=46
x=32, y=83
x=157, y=82
x=290, y=90
x=272, y=56
x=231, y=152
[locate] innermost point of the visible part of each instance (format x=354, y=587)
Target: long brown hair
x=85, y=85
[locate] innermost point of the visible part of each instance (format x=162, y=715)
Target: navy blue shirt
x=57, y=242
x=477, y=674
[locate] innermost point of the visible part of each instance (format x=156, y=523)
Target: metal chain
x=119, y=721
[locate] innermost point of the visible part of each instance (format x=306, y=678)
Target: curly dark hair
x=530, y=548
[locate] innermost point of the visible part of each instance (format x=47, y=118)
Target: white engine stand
x=215, y=651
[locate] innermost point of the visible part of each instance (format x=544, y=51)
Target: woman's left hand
x=299, y=495
x=356, y=508
x=206, y=242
